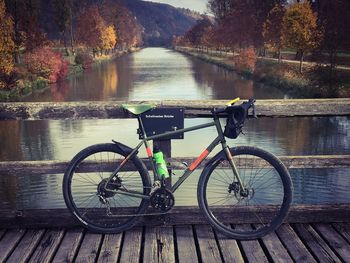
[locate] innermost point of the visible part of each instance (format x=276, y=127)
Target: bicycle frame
x=219, y=139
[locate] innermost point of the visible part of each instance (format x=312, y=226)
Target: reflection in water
x=36, y=140
x=155, y=74
x=10, y=140
x=163, y=74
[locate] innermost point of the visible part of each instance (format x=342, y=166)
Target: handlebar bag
x=234, y=122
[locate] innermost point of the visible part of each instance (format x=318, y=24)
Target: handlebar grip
x=232, y=101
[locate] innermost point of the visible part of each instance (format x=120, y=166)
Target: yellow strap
x=232, y=101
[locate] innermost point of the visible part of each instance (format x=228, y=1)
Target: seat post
x=142, y=132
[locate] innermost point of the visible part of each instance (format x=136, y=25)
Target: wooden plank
x=277, y=252
x=69, y=245
x=131, y=249
x=209, y=250
x=48, y=246
x=159, y=245
x=295, y=246
x=343, y=229
x=252, y=249
x=58, y=167
x=335, y=240
x=110, y=248
x=89, y=249
x=319, y=248
x=193, y=108
x=179, y=215
x=26, y=246
x=186, y=247
x=9, y=242
x=229, y=249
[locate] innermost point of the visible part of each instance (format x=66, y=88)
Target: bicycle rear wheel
x=85, y=183
x=264, y=202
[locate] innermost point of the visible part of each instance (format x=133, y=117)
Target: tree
x=334, y=18
x=13, y=7
x=27, y=33
x=7, y=46
x=63, y=19
x=91, y=27
x=240, y=22
x=128, y=30
x=109, y=38
x=219, y=8
x=198, y=34
x=29, y=24
x=300, y=29
x=272, y=29
x=260, y=12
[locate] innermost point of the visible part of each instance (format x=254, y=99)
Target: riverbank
x=314, y=82
x=27, y=85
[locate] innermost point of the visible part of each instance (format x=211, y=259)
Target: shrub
x=84, y=59
x=46, y=63
x=246, y=60
x=8, y=81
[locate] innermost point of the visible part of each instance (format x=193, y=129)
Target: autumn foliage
x=300, y=30
x=272, y=29
x=84, y=59
x=93, y=31
x=7, y=45
x=246, y=60
x=46, y=63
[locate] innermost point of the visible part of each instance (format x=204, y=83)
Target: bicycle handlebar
x=244, y=106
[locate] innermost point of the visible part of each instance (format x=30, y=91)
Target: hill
x=160, y=21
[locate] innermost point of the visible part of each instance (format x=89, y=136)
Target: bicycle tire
x=262, y=210
x=82, y=189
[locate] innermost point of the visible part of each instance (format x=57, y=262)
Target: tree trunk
x=332, y=55
x=279, y=55
x=71, y=32
x=301, y=61
x=65, y=42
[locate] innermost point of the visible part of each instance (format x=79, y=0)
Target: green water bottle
x=160, y=162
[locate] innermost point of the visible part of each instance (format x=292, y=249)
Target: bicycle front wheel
x=101, y=204
x=262, y=204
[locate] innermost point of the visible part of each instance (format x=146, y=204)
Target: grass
x=24, y=88
x=314, y=82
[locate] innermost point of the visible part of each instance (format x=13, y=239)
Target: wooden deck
x=181, y=243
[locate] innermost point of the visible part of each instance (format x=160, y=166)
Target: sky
x=196, y=5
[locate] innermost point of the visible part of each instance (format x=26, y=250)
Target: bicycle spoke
x=260, y=201
x=98, y=200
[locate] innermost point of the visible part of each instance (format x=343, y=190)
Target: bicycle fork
x=234, y=169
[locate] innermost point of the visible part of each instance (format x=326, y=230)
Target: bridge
x=311, y=233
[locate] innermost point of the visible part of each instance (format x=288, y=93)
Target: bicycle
x=108, y=189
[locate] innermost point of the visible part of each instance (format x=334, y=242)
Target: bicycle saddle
x=138, y=109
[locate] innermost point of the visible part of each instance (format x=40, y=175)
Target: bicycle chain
x=138, y=215
x=109, y=213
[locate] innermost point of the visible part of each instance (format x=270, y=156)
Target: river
x=156, y=74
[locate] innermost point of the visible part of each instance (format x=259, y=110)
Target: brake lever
x=254, y=113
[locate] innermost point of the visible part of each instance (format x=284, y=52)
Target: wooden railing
x=196, y=108
x=105, y=110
